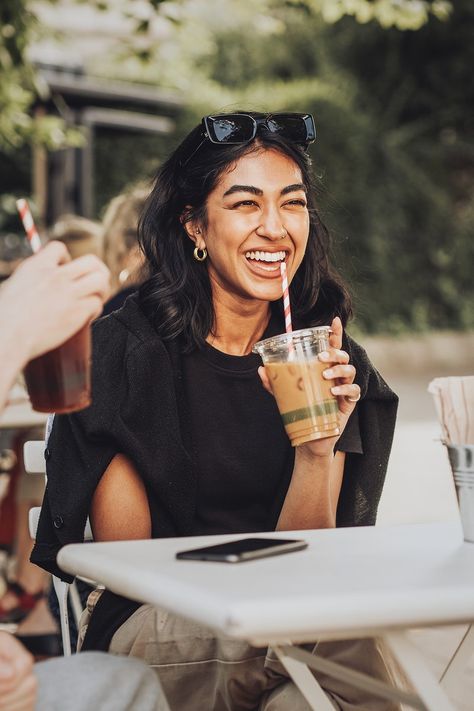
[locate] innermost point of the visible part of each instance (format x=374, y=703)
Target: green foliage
x=19, y=88
x=402, y=14
x=124, y=160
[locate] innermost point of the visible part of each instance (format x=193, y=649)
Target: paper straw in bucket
x=29, y=225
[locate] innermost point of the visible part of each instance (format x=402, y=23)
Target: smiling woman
x=256, y=214
x=184, y=436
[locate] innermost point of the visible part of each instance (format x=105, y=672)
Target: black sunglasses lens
x=230, y=128
x=299, y=129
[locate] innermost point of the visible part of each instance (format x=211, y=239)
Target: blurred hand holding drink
x=58, y=381
x=308, y=408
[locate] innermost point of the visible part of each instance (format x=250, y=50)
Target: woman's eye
x=298, y=202
x=245, y=203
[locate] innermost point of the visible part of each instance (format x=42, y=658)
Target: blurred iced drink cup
x=59, y=381
x=308, y=408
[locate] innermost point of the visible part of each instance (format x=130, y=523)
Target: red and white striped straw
x=29, y=225
x=286, y=298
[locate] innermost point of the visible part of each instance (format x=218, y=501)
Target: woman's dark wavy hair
x=177, y=296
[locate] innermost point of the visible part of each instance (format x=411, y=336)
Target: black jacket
x=138, y=409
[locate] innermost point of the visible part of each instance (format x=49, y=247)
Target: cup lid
x=276, y=342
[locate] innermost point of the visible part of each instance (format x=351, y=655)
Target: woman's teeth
x=266, y=256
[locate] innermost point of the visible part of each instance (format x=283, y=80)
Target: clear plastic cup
x=308, y=408
x=59, y=381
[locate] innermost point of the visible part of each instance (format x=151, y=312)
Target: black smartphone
x=243, y=549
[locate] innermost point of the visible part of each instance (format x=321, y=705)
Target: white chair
x=33, y=457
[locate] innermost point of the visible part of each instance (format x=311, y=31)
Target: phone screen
x=243, y=549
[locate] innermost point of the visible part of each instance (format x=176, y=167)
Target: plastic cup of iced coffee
x=308, y=408
x=59, y=381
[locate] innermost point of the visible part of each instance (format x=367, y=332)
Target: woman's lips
x=269, y=270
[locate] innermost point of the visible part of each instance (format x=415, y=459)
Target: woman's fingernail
x=328, y=373
x=324, y=355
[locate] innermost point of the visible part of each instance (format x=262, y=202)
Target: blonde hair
x=119, y=231
x=80, y=235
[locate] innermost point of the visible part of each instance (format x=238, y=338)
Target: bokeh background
x=94, y=94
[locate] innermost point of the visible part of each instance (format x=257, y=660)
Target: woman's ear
x=192, y=228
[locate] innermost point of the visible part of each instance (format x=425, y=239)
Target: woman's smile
x=266, y=263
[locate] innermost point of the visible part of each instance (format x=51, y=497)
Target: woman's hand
x=347, y=392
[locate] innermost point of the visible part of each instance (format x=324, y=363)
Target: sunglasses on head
x=235, y=129
x=242, y=128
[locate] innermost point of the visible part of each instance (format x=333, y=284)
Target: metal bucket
x=461, y=458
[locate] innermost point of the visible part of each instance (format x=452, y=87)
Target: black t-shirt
x=243, y=455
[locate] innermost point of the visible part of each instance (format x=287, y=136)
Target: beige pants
x=199, y=671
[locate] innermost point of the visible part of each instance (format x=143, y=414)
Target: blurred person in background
x=80, y=235
x=46, y=301
x=121, y=251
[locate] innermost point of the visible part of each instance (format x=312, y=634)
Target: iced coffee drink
x=308, y=408
x=59, y=381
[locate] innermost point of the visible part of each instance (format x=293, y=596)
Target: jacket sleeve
x=364, y=474
x=79, y=450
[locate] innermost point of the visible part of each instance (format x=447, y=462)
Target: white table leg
x=422, y=678
x=304, y=680
x=458, y=662
x=350, y=676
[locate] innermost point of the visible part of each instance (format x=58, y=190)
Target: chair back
x=33, y=457
x=35, y=463
x=33, y=518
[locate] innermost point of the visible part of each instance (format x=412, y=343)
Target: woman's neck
x=238, y=325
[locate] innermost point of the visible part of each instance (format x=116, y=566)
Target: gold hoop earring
x=200, y=254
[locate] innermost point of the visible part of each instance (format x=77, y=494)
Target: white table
x=348, y=583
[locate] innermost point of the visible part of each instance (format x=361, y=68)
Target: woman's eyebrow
x=258, y=191
x=293, y=188
x=243, y=189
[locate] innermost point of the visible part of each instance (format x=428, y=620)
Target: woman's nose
x=271, y=226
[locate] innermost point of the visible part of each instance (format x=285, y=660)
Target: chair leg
x=61, y=588
x=76, y=603
x=451, y=676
